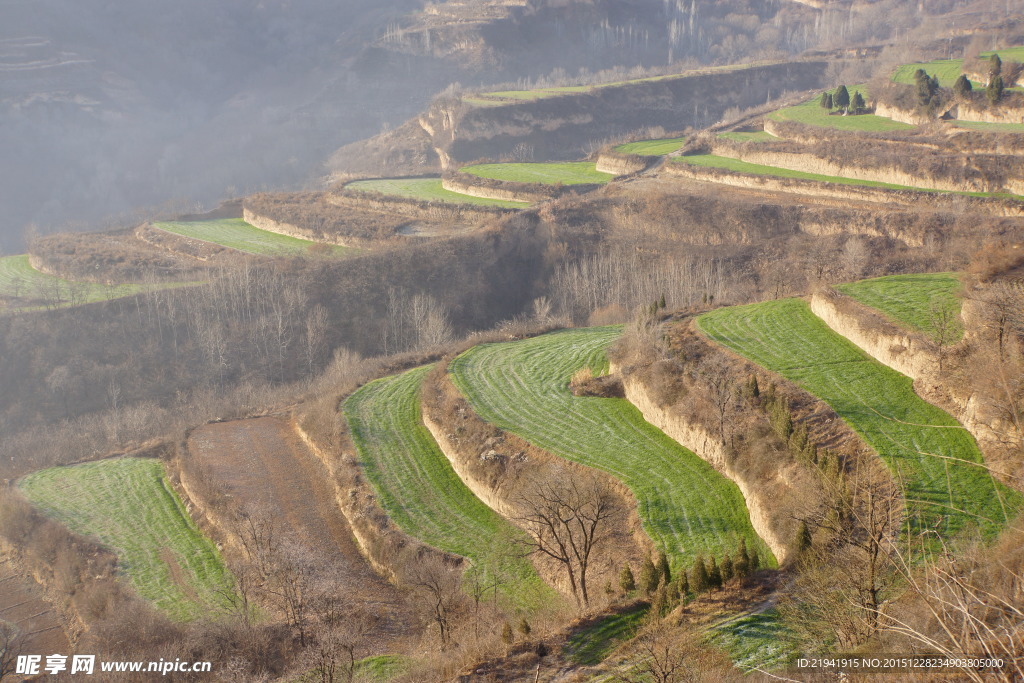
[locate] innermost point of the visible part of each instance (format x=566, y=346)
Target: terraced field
x=651, y=148
x=730, y=164
x=19, y=280
x=811, y=113
x=591, y=645
x=948, y=70
x=909, y=299
x=424, y=496
x=686, y=507
x=947, y=488
x=235, y=233
x=755, y=641
x=748, y=136
x=564, y=172
x=426, y=189
x=128, y=505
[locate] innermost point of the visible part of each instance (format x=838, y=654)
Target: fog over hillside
x=107, y=107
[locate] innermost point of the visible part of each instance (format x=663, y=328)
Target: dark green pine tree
x=857, y=103
x=728, y=570
x=841, y=99
x=826, y=101
x=663, y=569
x=699, y=580
x=714, y=574
x=626, y=581
x=755, y=561
x=648, y=577
x=742, y=563
x=995, y=67
x=962, y=87
x=684, y=585
x=994, y=91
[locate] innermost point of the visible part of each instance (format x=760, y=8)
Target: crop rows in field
x=915, y=301
x=235, y=233
x=548, y=173
x=128, y=505
x=946, y=485
x=20, y=281
x=813, y=114
x=651, y=148
x=428, y=190
x=424, y=496
x=686, y=507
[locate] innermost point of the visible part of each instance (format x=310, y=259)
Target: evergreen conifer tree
x=699, y=581
x=727, y=569
x=626, y=581
x=648, y=577
x=714, y=573
x=841, y=99
x=663, y=569
x=962, y=87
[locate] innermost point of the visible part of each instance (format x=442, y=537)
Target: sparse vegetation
x=686, y=507
x=592, y=643
x=129, y=506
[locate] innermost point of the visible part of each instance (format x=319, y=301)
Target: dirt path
x=264, y=464
x=22, y=604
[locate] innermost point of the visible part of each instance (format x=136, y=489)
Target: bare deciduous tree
x=567, y=518
x=438, y=589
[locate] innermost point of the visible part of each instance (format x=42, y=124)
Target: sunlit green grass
x=948, y=70
x=748, y=136
x=551, y=173
x=948, y=490
x=686, y=507
x=426, y=189
x=128, y=505
x=755, y=641
x=812, y=113
x=992, y=127
x=910, y=300
x=235, y=233
x=19, y=280
x=592, y=644
x=423, y=495
x=651, y=148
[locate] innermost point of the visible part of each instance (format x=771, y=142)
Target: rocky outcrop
x=771, y=521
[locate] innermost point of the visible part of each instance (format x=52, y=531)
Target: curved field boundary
x=19, y=280
x=427, y=190
x=424, y=496
x=128, y=505
x=547, y=173
x=686, y=507
x=937, y=461
x=812, y=113
x=909, y=299
x=235, y=233
x=651, y=148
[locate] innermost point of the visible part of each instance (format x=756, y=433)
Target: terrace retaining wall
x=487, y=188
x=764, y=514
x=990, y=206
x=281, y=228
x=624, y=164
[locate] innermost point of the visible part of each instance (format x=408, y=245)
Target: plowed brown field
x=263, y=464
x=22, y=604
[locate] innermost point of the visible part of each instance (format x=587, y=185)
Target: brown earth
x=22, y=604
x=262, y=463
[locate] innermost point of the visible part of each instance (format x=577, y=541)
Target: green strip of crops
x=748, y=136
x=948, y=490
x=426, y=189
x=813, y=114
x=235, y=233
x=424, y=496
x=651, y=148
x=914, y=301
x=19, y=280
x=129, y=506
x=686, y=507
x=565, y=172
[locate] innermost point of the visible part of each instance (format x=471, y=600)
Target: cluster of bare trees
x=627, y=279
